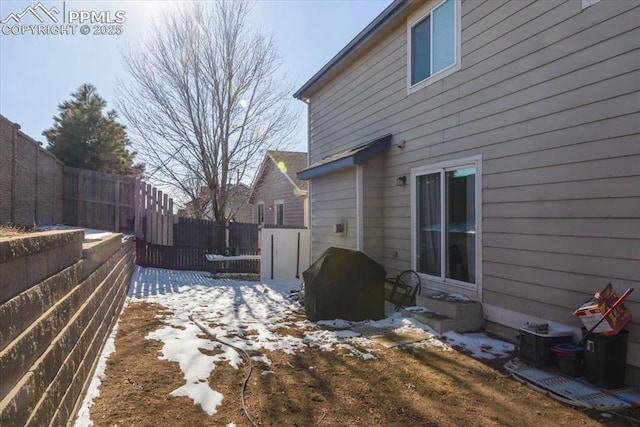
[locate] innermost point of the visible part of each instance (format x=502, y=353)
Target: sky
x=38, y=72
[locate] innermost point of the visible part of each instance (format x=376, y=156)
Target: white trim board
x=359, y=208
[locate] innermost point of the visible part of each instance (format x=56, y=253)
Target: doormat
x=392, y=337
x=574, y=391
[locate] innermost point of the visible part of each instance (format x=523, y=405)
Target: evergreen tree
x=84, y=137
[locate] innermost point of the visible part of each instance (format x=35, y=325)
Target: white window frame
x=417, y=18
x=475, y=161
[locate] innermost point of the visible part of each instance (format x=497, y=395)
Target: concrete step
x=466, y=314
x=435, y=321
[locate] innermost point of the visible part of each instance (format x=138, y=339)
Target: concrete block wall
x=6, y=169
x=30, y=179
x=54, y=321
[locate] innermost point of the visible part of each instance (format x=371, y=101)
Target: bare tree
x=204, y=100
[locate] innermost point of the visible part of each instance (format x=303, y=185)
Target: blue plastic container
x=570, y=358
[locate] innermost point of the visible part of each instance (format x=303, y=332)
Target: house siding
x=548, y=94
x=373, y=230
x=275, y=187
x=244, y=214
x=334, y=199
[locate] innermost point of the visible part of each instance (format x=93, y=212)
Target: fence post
x=227, y=242
x=154, y=209
x=136, y=207
x=80, y=217
x=117, y=209
x=148, y=237
x=158, y=218
x=165, y=220
x=171, y=223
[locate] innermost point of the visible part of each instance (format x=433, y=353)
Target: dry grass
x=10, y=230
x=413, y=386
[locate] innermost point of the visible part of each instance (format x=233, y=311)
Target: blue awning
x=355, y=156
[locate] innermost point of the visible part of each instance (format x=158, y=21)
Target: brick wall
x=59, y=299
x=30, y=179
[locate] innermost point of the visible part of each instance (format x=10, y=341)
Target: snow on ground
x=90, y=234
x=256, y=316
x=479, y=345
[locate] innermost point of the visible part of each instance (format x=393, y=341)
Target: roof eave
x=257, y=178
x=357, y=158
x=387, y=15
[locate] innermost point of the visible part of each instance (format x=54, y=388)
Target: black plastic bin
x=535, y=342
x=570, y=359
x=605, y=358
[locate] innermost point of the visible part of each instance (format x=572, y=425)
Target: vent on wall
x=340, y=228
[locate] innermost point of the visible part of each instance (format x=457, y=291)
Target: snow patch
x=253, y=317
x=90, y=234
x=480, y=345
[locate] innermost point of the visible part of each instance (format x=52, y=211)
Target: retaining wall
x=59, y=299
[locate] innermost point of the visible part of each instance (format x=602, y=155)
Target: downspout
x=359, y=209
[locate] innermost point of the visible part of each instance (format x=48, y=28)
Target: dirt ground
x=410, y=386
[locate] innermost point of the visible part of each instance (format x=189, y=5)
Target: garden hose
x=239, y=350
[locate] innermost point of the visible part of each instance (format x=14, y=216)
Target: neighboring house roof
x=292, y=161
x=354, y=156
x=232, y=189
x=237, y=195
x=371, y=31
x=239, y=190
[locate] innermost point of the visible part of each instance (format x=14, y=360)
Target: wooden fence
x=118, y=203
x=195, y=238
x=126, y=204
x=98, y=200
x=154, y=217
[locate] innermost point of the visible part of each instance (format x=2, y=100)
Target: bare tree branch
x=205, y=102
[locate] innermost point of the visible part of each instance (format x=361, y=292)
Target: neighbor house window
x=260, y=213
x=432, y=37
x=446, y=221
x=279, y=212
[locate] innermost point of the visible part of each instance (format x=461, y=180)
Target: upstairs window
x=432, y=39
